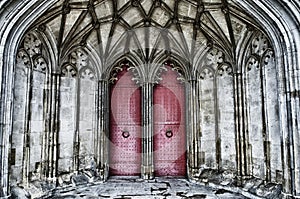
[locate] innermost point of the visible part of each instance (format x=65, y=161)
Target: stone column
x=266, y=140
x=76, y=140
x=102, y=135
x=240, y=128
x=50, y=154
x=147, y=168
x=193, y=131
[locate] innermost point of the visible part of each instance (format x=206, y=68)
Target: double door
x=169, y=137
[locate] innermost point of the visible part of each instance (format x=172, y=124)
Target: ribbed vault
x=148, y=30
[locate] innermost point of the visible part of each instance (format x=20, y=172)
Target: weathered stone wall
x=226, y=121
x=29, y=110
x=87, y=118
x=19, y=122
x=207, y=120
x=246, y=117
x=254, y=103
x=68, y=141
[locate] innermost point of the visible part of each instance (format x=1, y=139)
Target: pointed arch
x=134, y=62
x=278, y=19
x=91, y=57
x=180, y=64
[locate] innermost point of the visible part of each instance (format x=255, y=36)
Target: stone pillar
x=290, y=103
x=265, y=133
x=53, y=135
x=147, y=168
x=241, y=136
x=76, y=141
x=194, y=132
x=102, y=136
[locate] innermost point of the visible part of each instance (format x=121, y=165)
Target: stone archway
x=147, y=128
x=286, y=58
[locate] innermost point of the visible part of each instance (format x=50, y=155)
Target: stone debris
x=162, y=187
x=209, y=184
x=80, y=179
x=249, y=186
x=19, y=193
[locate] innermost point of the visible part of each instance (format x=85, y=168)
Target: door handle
x=169, y=133
x=125, y=134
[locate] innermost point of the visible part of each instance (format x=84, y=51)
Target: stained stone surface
x=208, y=183
x=118, y=187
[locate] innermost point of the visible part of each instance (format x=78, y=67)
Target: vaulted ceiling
x=145, y=28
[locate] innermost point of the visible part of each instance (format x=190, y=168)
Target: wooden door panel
x=169, y=148
x=125, y=150
x=125, y=126
x=169, y=127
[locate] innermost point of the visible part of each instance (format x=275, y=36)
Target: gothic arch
x=136, y=66
x=177, y=63
x=87, y=58
x=286, y=61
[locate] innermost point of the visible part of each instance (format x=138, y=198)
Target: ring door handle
x=125, y=134
x=169, y=133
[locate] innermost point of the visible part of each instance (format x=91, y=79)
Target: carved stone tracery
x=40, y=64
x=69, y=71
x=30, y=53
x=206, y=74
x=268, y=57
x=225, y=69
x=32, y=44
x=260, y=44
x=252, y=63
x=215, y=57
x=79, y=58
x=87, y=73
x=23, y=58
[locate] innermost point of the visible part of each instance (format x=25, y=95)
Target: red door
x=125, y=126
x=169, y=126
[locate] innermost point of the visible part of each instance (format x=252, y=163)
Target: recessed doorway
x=169, y=135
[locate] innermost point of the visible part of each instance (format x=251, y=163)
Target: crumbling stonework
x=161, y=187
